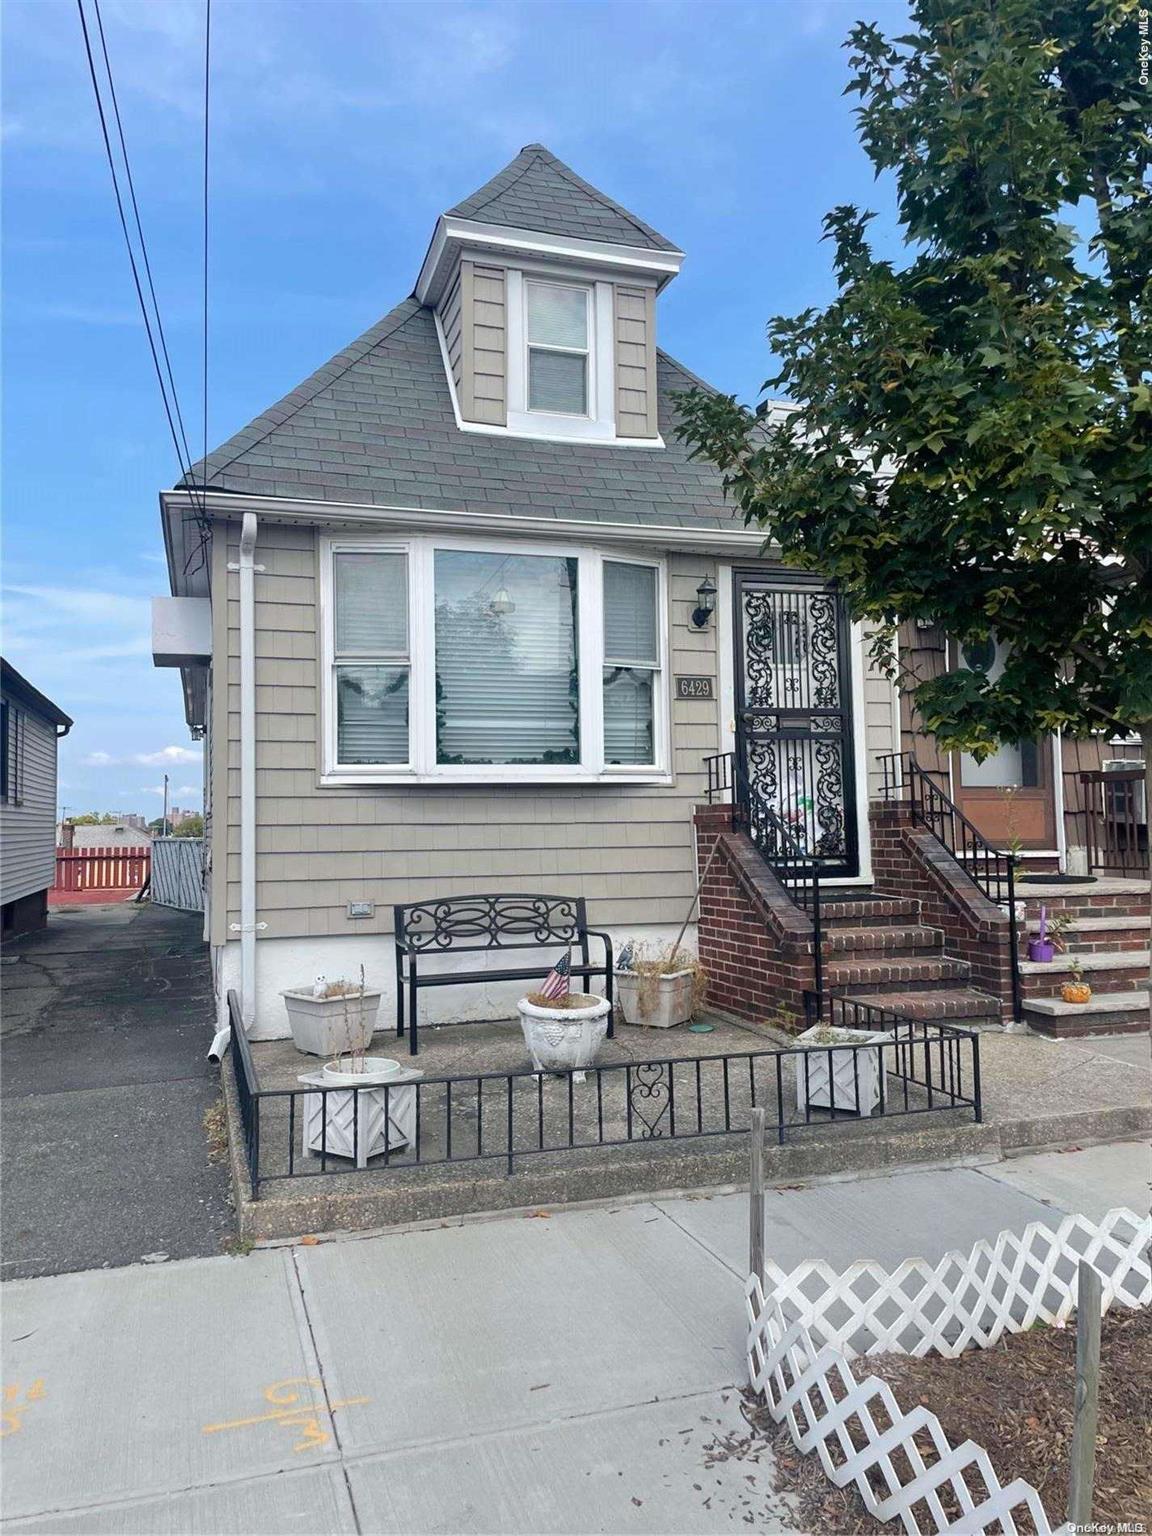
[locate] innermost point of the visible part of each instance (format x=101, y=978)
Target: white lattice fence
x=903, y=1466
x=967, y=1299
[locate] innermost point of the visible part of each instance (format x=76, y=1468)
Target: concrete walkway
x=568, y=1373
x=107, y=1014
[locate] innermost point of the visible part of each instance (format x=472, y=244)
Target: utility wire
x=207, y=76
x=140, y=233
x=128, y=239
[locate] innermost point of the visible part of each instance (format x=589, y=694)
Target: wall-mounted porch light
x=705, y=603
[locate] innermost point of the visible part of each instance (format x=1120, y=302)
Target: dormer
x=544, y=292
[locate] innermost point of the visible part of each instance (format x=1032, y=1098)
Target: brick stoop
x=1109, y=937
x=757, y=946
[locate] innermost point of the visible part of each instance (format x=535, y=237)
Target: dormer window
x=558, y=329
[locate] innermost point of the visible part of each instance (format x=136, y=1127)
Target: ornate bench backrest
x=491, y=922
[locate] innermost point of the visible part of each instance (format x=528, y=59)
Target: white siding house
x=30, y=726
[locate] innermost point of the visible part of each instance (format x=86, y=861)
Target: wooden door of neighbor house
x=794, y=714
x=1010, y=797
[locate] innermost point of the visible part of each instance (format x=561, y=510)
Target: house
x=108, y=834
x=30, y=727
x=460, y=614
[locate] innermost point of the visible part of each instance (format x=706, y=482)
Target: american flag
x=557, y=981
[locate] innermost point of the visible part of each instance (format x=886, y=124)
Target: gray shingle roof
x=538, y=192
x=375, y=425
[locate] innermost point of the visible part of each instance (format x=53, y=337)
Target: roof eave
x=716, y=537
x=454, y=234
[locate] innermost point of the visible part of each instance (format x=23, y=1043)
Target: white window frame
x=335, y=659
x=422, y=767
x=587, y=351
x=659, y=668
x=599, y=423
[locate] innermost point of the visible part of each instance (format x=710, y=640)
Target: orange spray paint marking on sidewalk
x=298, y=1403
x=16, y=1402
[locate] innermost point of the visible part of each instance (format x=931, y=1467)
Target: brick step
x=914, y=940
x=838, y=911
x=1102, y=935
x=910, y=972
x=1104, y=898
x=1115, y=971
x=947, y=1005
x=1109, y=1013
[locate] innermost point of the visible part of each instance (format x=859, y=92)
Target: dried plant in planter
x=351, y=1057
x=648, y=966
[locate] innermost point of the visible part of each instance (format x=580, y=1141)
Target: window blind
x=506, y=665
x=631, y=656
x=630, y=613
x=557, y=317
x=371, y=603
x=371, y=714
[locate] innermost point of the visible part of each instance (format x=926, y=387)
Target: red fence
x=101, y=869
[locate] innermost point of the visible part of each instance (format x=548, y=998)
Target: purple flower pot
x=1041, y=949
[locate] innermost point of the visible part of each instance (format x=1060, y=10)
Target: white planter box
x=326, y=1026
x=669, y=998
x=834, y=1076
x=563, y=1039
x=385, y=1117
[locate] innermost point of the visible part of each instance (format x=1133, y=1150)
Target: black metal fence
x=894, y=1068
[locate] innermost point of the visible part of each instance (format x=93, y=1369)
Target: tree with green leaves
x=968, y=437
x=189, y=826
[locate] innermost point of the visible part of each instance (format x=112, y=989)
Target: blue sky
x=340, y=130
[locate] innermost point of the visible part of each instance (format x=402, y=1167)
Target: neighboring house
x=460, y=614
x=108, y=834
x=30, y=727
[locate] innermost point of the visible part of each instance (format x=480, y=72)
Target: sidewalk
x=107, y=1017
x=575, y=1372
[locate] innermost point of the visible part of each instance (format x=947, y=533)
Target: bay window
x=450, y=659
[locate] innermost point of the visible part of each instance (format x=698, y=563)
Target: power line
x=127, y=237
x=153, y=323
x=140, y=231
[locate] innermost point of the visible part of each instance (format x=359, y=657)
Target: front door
x=794, y=713
x=1009, y=796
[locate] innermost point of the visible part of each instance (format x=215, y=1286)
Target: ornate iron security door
x=794, y=718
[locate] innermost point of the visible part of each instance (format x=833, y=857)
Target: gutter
x=722, y=537
x=247, y=925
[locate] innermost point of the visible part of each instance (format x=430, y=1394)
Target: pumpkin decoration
x=1076, y=989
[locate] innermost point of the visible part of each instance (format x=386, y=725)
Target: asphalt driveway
x=106, y=1019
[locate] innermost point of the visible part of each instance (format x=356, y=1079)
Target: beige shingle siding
x=452, y=325
x=635, y=348
x=484, y=324
x=629, y=850
x=28, y=817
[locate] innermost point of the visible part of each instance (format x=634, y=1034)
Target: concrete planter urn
x=838, y=1079
x=658, y=1001
x=564, y=1039
x=326, y=1026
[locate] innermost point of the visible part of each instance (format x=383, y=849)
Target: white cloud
x=164, y=758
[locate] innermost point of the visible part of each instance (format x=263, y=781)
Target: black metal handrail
x=883, y=1066
x=797, y=870
x=991, y=870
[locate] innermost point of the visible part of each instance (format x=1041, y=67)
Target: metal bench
x=462, y=924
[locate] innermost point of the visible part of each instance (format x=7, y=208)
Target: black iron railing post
x=977, y=1101
x=1013, y=939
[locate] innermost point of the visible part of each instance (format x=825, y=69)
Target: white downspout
x=248, y=771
